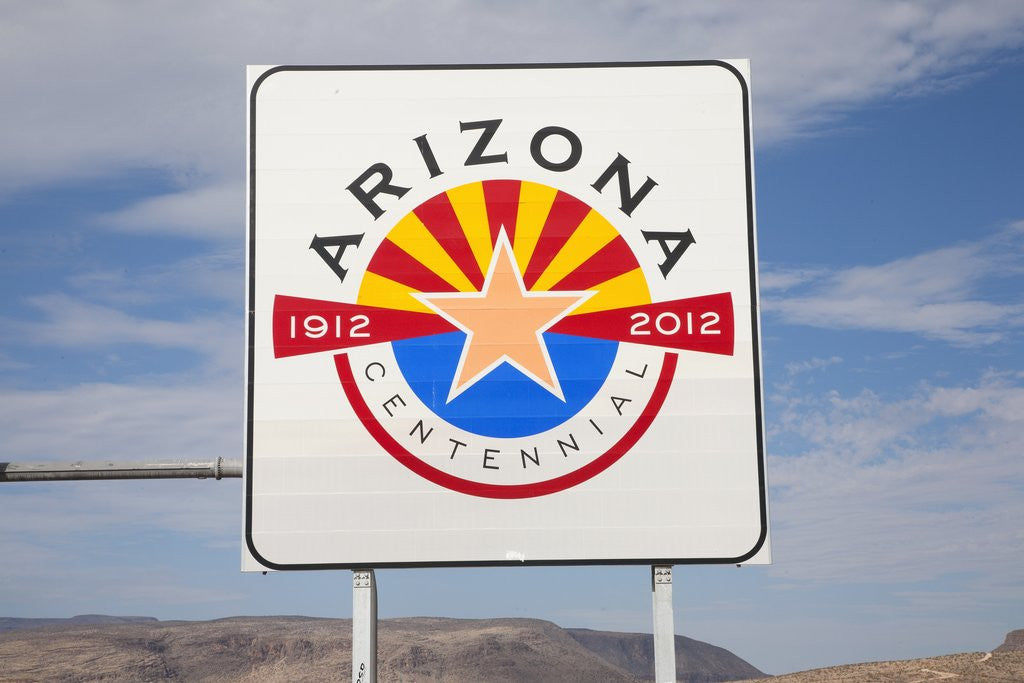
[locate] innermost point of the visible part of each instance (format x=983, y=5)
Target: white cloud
x=796, y=368
x=940, y=294
x=107, y=86
x=773, y=279
x=187, y=418
x=209, y=277
x=75, y=323
x=901, y=490
x=101, y=546
x=206, y=212
x=9, y=363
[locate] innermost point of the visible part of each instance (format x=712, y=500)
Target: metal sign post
x=364, y=626
x=664, y=627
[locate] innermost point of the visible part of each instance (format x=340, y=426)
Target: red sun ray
x=565, y=216
x=502, y=199
x=438, y=216
x=611, y=260
x=392, y=262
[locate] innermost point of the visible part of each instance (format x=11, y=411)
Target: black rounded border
x=754, y=318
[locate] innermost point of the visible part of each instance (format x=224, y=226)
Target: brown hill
x=305, y=649
x=1014, y=642
x=967, y=666
x=696, y=662
x=14, y=623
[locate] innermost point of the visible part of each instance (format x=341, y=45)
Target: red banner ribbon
x=703, y=323
x=312, y=325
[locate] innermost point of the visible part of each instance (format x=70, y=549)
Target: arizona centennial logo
x=503, y=342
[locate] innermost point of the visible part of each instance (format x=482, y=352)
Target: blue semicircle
x=506, y=403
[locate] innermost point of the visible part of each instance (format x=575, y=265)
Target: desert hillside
x=305, y=649
x=1014, y=642
x=279, y=649
x=974, y=667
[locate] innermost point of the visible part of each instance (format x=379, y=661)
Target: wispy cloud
x=186, y=418
x=88, y=546
x=210, y=212
x=9, y=363
x=776, y=279
x=796, y=368
x=941, y=294
x=901, y=490
x=210, y=277
x=70, y=322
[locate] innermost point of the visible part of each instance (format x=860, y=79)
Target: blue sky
x=891, y=238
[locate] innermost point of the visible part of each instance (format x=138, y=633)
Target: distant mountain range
x=90, y=647
x=286, y=649
x=15, y=623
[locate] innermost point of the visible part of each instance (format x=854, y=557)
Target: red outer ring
x=474, y=488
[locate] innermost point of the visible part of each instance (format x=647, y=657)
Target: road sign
x=502, y=314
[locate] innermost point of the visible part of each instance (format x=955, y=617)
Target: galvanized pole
x=664, y=627
x=364, y=626
x=108, y=469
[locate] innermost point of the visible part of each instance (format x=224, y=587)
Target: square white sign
x=502, y=314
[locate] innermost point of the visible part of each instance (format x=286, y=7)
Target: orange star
x=504, y=323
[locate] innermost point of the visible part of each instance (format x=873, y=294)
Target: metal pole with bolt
x=364, y=626
x=106, y=469
x=664, y=627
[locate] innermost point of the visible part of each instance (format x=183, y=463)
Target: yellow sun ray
x=534, y=206
x=377, y=290
x=590, y=236
x=628, y=289
x=412, y=237
x=471, y=209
